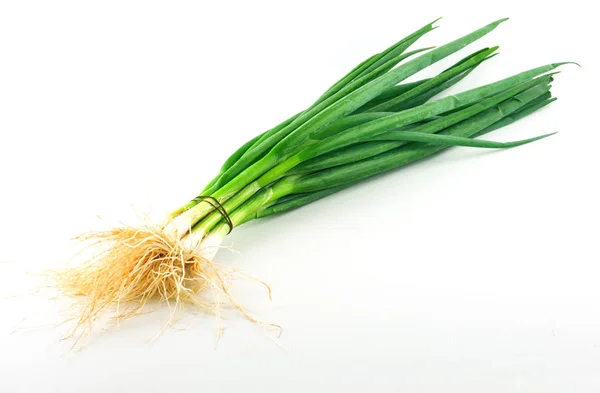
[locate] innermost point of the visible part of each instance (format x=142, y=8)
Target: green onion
x=367, y=123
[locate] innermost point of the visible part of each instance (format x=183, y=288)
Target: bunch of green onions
x=367, y=123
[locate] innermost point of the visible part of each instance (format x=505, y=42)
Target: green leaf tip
x=547, y=135
x=530, y=140
x=549, y=76
x=565, y=63
x=495, y=24
x=431, y=26
x=436, y=21
x=537, y=138
x=491, y=52
x=491, y=26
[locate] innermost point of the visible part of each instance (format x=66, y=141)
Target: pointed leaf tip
x=431, y=24
x=565, y=63
x=495, y=24
x=543, y=136
x=546, y=135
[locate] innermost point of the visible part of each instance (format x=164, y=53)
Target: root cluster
x=132, y=266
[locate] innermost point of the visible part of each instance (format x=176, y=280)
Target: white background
x=473, y=271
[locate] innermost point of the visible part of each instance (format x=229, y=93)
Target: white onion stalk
x=210, y=245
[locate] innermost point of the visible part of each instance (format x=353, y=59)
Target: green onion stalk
x=369, y=122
